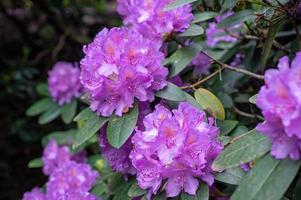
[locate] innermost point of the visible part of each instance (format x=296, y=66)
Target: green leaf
x=120, y=128
x=89, y=129
x=192, y=101
x=171, y=92
x=226, y=126
x=122, y=191
x=99, y=189
x=39, y=107
x=226, y=4
x=252, y=99
x=177, y=3
x=231, y=176
x=136, y=191
x=68, y=112
x=204, y=16
x=182, y=57
x=42, y=90
x=237, y=18
x=193, y=30
x=250, y=146
x=52, y=112
x=210, y=102
x=268, y=179
x=202, y=193
x=268, y=44
x=61, y=137
x=83, y=115
x=35, y=163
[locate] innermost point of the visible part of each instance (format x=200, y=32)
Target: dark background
x=35, y=34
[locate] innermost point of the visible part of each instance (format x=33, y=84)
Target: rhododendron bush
x=187, y=99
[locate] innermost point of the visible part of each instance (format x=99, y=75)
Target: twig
x=203, y=80
x=242, y=113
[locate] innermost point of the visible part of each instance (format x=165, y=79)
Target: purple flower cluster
x=119, y=66
x=149, y=18
x=280, y=102
x=64, y=82
x=68, y=179
x=215, y=35
x=178, y=146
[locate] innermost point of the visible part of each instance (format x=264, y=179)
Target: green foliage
x=120, y=128
x=202, y=193
x=172, y=92
x=68, y=112
x=177, y=3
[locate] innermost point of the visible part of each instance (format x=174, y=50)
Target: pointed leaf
x=237, y=18
x=204, y=16
x=210, y=102
x=268, y=179
x=177, y=3
x=252, y=99
x=35, y=163
x=120, y=128
x=52, y=112
x=250, y=146
x=89, y=129
x=226, y=126
x=39, y=107
x=193, y=30
x=68, y=112
x=171, y=92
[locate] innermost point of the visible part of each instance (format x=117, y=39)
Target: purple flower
x=237, y=59
x=216, y=35
x=71, y=179
x=118, y=159
x=34, y=194
x=150, y=19
x=279, y=100
x=54, y=157
x=202, y=63
x=178, y=147
x=64, y=82
x=119, y=66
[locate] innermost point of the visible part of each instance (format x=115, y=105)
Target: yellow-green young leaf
x=177, y=3
x=250, y=146
x=269, y=179
x=35, y=163
x=52, y=112
x=39, y=107
x=68, y=112
x=120, y=128
x=210, y=102
x=202, y=193
x=89, y=129
x=136, y=191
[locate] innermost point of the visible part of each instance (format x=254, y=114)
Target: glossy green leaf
x=204, y=16
x=182, y=58
x=210, y=102
x=39, y=107
x=83, y=115
x=68, y=112
x=35, y=163
x=231, y=176
x=202, y=193
x=268, y=44
x=42, y=89
x=268, y=179
x=250, y=146
x=120, y=128
x=61, y=137
x=136, y=191
x=226, y=126
x=52, y=112
x=193, y=30
x=192, y=101
x=99, y=189
x=226, y=4
x=171, y=92
x=237, y=18
x=177, y=3
x=89, y=129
